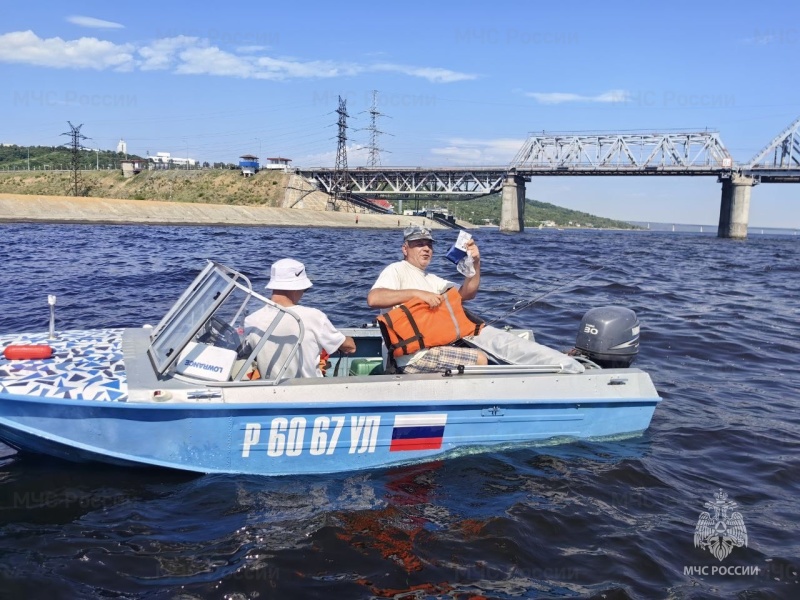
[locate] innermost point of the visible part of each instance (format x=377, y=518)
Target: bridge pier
x=512, y=209
x=734, y=211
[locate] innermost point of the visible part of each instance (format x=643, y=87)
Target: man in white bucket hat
x=288, y=281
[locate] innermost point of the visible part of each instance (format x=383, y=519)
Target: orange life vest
x=414, y=325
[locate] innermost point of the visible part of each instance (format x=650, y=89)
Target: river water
x=606, y=520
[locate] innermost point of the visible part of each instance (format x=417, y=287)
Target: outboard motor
x=609, y=336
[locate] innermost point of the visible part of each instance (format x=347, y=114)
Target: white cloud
x=251, y=49
x=320, y=159
x=190, y=55
x=94, y=23
x=432, y=74
x=280, y=68
x=162, y=53
x=613, y=96
x=459, y=154
x=478, y=152
x=561, y=97
x=212, y=61
x=25, y=47
x=356, y=155
x=761, y=40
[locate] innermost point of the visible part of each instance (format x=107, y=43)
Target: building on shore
x=165, y=160
x=248, y=164
x=278, y=163
x=131, y=167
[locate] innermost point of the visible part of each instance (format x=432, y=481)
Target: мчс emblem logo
x=723, y=531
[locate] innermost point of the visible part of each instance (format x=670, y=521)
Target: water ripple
x=612, y=519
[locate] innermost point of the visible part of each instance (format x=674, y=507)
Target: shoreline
x=35, y=208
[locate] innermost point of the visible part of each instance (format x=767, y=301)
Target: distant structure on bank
x=122, y=147
x=381, y=203
x=248, y=164
x=164, y=160
x=131, y=167
x=278, y=163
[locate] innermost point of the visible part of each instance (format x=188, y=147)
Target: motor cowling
x=609, y=336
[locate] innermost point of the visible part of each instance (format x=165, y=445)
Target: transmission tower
x=340, y=170
x=374, y=158
x=75, y=147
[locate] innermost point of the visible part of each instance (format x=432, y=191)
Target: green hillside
x=214, y=186
x=53, y=158
x=486, y=211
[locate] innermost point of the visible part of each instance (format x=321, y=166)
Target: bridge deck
x=581, y=154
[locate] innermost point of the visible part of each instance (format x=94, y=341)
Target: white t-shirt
x=402, y=275
x=319, y=334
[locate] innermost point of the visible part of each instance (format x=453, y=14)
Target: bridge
x=667, y=153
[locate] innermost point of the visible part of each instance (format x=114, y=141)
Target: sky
x=457, y=85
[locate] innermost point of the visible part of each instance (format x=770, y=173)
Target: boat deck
x=86, y=365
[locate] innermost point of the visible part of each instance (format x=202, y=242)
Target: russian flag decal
x=417, y=432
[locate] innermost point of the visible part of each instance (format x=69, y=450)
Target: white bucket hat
x=288, y=274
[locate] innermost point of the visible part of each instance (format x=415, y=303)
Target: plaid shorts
x=441, y=358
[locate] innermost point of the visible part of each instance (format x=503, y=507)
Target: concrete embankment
x=17, y=208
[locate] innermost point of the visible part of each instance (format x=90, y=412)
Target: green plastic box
x=366, y=366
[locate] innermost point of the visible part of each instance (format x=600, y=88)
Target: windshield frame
x=199, y=303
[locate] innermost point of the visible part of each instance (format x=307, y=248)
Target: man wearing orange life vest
x=407, y=280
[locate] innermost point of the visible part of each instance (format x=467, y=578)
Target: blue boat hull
x=269, y=440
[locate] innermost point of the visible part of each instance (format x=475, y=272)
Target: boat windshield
x=188, y=314
x=204, y=334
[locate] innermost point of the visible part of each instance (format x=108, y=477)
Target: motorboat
x=186, y=394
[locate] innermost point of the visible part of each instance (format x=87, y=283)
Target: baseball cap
x=415, y=232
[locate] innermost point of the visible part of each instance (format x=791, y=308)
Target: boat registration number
x=294, y=436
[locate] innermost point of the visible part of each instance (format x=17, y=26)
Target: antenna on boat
x=518, y=307
x=51, y=300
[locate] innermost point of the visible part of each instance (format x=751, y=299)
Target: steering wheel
x=218, y=333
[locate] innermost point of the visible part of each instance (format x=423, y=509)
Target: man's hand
x=472, y=250
x=348, y=346
x=429, y=298
x=469, y=288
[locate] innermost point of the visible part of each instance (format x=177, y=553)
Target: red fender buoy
x=27, y=352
